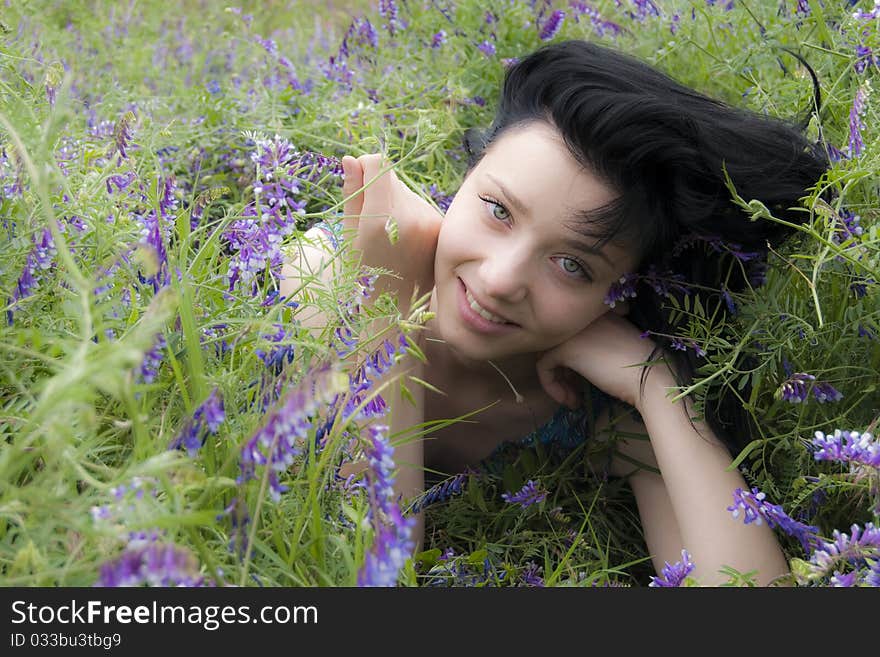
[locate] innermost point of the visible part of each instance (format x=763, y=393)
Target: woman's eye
x=498, y=211
x=575, y=268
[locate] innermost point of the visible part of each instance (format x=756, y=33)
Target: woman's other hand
x=608, y=353
x=369, y=214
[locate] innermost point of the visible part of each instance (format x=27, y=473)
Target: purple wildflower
x=439, y=39
x=859, y=286
x=393, y=544
x=153, y=359
x=121, y=181
x=277, y=357
x=210, y=414
x=256, y=237
x=825, y=392
x=487, y=48
x=666, y=282
x=678, y=344
x=623, y=289
x=531, y=575
x=856, y=125
x=864, y=59
x=847, y=227
x=552, y=25
x=673, y=576
x=728, y=300
x=756, y=509
x=389, y=11
x=872, y=577
x=440, y=492
x=847, y=447
x=802, y=8
x=40, y=259
x=869, y=15
x=526, y=496
x=644, y=8
x=794, y=389
x=601, y=26
x=280, y=439
x=122, y=134
x=854, y=550
x=153, y=564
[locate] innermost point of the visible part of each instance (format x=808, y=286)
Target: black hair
x=665, y=149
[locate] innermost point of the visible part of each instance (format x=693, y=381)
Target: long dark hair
x=665, y=148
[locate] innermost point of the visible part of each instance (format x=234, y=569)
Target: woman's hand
x=602, y=353
x=607, y=353
x=367, y=213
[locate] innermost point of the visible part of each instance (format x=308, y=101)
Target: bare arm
x=659, y=525
x=698, y=489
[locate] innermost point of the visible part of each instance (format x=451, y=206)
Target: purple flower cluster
x=552, y=25
x=865, y=58
x=393, y=544
x=153, y=564
x=487, y=48
x=122, y=135
x=452, y=570
x=440, y=492
x=621, y=290
x=600, y=25
x=794, y=389
x=206, y=420
x=156, y=233
x=531, y=493
x=756, y=509
x=280, y=439
x=859, y=551
x=389, y=11
x=531, y=575
x=665, y=283
x=40, y=259
x=149, y=367
x=848, y=447
x=856, y=125
x=847, y=227
x=674, y=575
x=680, y=344
x=256, y=238
x=870, y=15
x=276, y=357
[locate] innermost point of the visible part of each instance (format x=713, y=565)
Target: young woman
x=593, y=196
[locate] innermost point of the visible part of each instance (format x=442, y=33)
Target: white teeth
x=483, y=313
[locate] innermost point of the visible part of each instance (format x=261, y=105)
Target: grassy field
x=165, y=419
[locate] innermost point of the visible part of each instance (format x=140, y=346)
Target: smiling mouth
x=482, y=312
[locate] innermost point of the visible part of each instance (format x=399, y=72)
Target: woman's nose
x=505, y=276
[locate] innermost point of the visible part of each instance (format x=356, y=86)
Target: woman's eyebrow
x=518, y=205
x=587, y=248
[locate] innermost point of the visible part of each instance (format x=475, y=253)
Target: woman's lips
x=476, y=321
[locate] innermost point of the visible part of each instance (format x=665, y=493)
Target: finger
x=377, y=197
x=547, y=378
x=353, y=180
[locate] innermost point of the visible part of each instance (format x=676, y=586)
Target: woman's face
x=503, y=242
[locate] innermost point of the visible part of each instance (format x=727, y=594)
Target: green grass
x=78, y=420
